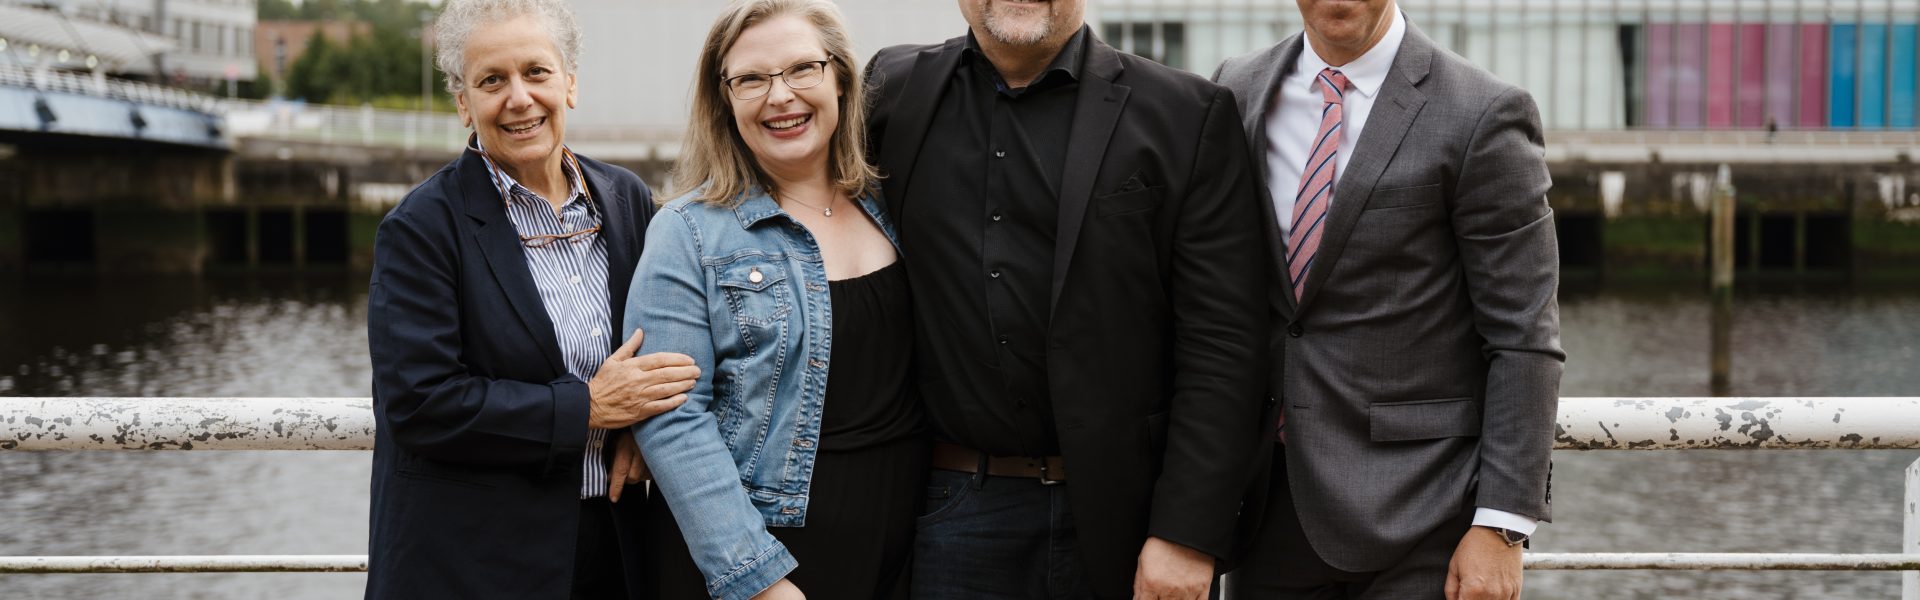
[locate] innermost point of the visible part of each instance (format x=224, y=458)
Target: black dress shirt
x=979, y=242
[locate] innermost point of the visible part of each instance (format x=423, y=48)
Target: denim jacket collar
x=759, y=206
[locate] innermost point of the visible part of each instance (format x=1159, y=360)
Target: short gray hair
x=459, y=18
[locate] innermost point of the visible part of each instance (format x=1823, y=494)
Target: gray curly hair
x=459, y=18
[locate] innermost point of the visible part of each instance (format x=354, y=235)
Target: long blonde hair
x=715, y=156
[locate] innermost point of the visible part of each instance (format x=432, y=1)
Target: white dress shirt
x=1292, y=122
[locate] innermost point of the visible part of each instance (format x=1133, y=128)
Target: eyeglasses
x=800, y=76
x=542, y=240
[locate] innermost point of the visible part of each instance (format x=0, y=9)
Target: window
x=1161, y=42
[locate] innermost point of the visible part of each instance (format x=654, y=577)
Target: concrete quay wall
x=286, y=205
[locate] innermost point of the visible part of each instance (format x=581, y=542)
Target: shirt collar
x=569, y=166
x=1066, y=64
x=1367, y=73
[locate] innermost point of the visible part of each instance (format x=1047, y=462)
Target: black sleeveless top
x=867, y=402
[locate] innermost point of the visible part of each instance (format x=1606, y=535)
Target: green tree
x=278, y=10
x=312, y=75
x=381, y=66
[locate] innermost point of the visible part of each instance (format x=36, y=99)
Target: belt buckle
x=1044, y=479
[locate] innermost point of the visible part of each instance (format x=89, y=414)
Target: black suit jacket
x=1157, y=349
x=476, y=463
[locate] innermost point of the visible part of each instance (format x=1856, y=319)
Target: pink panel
x=1660, y=75
x=1690, y=75
x=1750, y=94
x=1813, y=75
x=1782, y=60
x=1720, y=75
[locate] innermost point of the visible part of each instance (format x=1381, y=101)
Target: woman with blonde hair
x=796, y=465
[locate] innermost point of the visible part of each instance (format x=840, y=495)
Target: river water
x=94, y=335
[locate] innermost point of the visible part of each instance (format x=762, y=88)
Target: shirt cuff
x=1493, y=517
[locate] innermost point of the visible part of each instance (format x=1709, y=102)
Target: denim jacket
x=743, y=291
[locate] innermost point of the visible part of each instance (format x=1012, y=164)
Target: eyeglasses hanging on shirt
x=542, y=240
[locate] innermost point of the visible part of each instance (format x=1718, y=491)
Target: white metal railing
x=1805, y=423
x=1784, y=423
x=1897, y=138
x=344, y=125
x=366, y=126
x=104, y=87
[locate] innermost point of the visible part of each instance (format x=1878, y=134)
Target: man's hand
x=1170, y=571
x=629, y=389
x=629, y=467
x=781, y=590
x=1484, y=568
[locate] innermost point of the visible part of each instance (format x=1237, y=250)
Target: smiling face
x=787, y=130
x=1345, y=28
x=1024, y=22
x=517, y=93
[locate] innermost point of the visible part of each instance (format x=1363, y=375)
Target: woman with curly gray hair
x=503, y=405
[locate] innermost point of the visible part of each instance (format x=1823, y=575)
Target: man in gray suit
x=1416, y=343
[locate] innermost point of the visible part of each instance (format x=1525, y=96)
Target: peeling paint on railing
x=1706, y=561
x=1534, y=562
x=1738, y=423
x=347, y=423
x=344, y=563
x=186, y=424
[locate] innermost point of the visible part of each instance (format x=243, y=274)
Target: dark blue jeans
x=985, y=538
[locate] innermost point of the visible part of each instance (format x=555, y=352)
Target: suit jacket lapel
x=500, y=243
x=1392, y=115
x=615, y=231
x=911, y=117
x=1281, y=59
x=1096, y=111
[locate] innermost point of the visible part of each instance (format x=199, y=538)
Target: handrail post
x=1910, y=544
x=1721, y=211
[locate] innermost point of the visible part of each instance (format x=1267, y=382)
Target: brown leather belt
x=1050, y=470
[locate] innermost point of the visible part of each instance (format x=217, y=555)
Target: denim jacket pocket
x=755, y=289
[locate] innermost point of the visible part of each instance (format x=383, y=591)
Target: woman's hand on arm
x=629, y=389
x=629, y=465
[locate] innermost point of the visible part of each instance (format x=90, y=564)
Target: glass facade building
x=1613, y=64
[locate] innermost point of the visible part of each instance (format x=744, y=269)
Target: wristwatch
x=1511, y=537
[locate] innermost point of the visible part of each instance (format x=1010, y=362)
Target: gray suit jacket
x=1420, y=371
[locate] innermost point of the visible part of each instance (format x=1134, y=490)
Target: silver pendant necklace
x=828, y=211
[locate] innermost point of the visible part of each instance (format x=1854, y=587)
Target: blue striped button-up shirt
x=572, y=276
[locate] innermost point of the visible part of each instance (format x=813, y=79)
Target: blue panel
x=1901, y=65
x=1873, y=76
x=1843, y=41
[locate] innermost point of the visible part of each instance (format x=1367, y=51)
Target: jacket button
x=816, y=363
x=1295, y=330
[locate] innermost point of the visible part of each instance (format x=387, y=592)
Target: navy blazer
x=481, y=429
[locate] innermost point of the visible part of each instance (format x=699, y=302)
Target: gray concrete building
x=1590, y=64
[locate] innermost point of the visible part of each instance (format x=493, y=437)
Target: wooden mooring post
x=1720, y=210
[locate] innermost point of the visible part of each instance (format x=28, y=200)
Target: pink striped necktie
x=1316, y=192
x=1316, y=183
